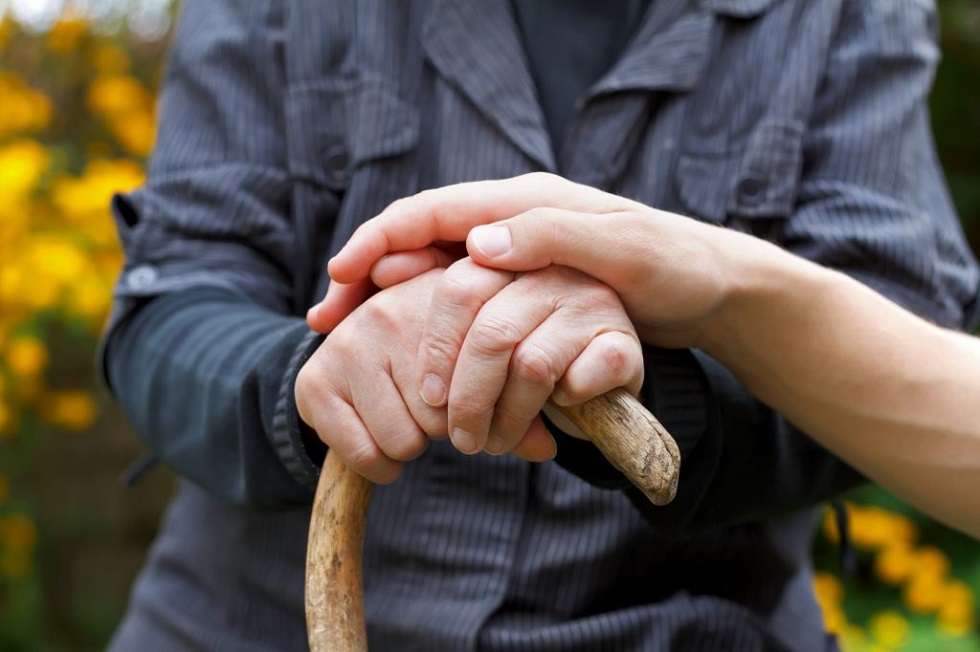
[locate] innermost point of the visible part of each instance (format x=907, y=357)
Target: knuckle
x=509, y=426
x=492, y=336
x=404, y=446
x=533, y=364
x=545, y=179
x=454, y=288
x=621, y=355
x=363, y=457
x=436, y=351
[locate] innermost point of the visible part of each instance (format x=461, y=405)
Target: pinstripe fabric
x=285, y=125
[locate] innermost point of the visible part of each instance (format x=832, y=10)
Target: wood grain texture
x=335, y=547
x=633, y=440
x=617, y=423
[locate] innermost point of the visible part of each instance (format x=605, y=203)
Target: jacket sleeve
x=204, y=337
x=871, y=202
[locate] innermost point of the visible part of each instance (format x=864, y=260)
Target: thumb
x=549, y=236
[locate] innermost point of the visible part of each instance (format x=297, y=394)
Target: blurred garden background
x=77, y=85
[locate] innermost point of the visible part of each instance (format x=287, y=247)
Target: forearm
x=201, y=374
x=885, y=390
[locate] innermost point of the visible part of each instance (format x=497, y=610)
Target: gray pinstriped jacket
x=284, y=125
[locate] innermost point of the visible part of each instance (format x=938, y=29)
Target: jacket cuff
x=297, y=445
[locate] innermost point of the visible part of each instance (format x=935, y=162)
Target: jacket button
x=336, y=161
x=142, y=277
x=750, y=190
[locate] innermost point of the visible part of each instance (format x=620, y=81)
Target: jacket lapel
x=474, y=44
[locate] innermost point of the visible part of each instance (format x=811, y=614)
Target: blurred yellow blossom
x=889, y=629
x=956, y=616
x=111, y=59
x=829, y=593
x=65, y=34
x=73, y=410
x=26, y=356
x=136, y=132
x=872, y=527
x=24, y=109
x=80, y=199
x=127, y=108
x=894, y=564
x=930, y=559
x=924, y=593
x=90, y=300
x=22, y=163
x=115, y=95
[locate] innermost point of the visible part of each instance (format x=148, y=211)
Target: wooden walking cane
x=627, y=434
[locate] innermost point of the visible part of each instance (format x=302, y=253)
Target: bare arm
x=891, y=394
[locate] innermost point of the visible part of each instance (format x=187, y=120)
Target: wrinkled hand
x=359, y=390
x=498, y=345
x=671, y=272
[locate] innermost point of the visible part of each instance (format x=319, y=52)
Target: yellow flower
x=894, y=564
x=829, y=593
x=89, y=299
x=924, y=593
x=830, y=525
x=889, y=628
x=72, y=410
x=110, y=59
x=117, y=95
x=873, y=527
x=24, y=109
x=852, y=637
x=21, y=165
x=827, y=587
x=930, y=559
x=64, y=35
x=26, y=357
x=135, y=131
x=56, y=257
x=84, y=198
x=955, y=618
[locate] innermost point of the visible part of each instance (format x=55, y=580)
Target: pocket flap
x=332, y=126
x=757, y=180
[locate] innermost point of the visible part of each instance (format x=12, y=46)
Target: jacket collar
x=475, y=45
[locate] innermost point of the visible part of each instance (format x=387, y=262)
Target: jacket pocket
x=758, y=180
x=335, y=125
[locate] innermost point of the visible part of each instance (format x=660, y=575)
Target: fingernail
x=560, y=398
x=464, y=441
x=554, y=450
x=433, y=391
x=491, y=241
x=495, y=445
